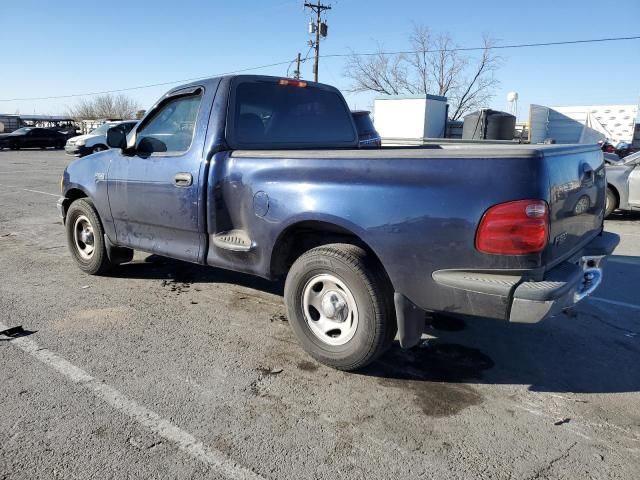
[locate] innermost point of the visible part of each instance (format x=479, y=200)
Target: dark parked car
x=368, y=137
x=31, y=137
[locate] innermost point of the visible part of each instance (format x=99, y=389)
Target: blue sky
x=59, y=48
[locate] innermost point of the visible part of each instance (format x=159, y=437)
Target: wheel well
x=302, y=237
x=74, y=194
x=71, y=196
x=615, y=192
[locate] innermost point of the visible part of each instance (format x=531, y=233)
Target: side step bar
x=234, y=240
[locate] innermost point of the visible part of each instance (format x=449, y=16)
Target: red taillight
x=292, y=83
x=514, y=228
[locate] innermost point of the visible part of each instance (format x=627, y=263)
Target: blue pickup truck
x=263, y=175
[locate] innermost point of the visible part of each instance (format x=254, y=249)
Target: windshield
x=21, y=131
x=102, y=129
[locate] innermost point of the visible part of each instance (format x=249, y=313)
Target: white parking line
x=44, y=193
x=615, y=302
x=162, y=427
x=29, y=190
x=31, y=171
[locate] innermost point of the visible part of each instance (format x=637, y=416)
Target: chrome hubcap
x=83, y=237
x=330, y=309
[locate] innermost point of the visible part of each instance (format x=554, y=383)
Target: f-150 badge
x=560, y=239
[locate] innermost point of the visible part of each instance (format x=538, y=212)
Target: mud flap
x=410, y=321
x=117, y=255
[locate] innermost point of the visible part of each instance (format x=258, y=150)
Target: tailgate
x=576, y=198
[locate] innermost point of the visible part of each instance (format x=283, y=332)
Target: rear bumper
x=512, y=297
x=521, y=300
x=564, y=285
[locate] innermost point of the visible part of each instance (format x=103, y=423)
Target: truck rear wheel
x=85, y=238
x=340, y=307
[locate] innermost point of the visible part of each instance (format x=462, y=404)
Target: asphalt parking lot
x=169, y=370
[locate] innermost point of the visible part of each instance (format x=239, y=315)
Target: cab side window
x=170, y=129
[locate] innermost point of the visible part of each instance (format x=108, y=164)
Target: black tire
x=612, y=202
x=59, y=146
x=98, y=148
x=98, y=262
x=369, y=287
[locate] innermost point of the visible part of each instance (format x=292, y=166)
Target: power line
x=493, y=47
x=150, y=85
x=333, y=55
x=299, y=60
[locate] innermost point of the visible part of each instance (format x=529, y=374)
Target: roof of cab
x=205, y=82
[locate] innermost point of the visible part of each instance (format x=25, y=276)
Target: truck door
x=154, y=192
x=634, y=187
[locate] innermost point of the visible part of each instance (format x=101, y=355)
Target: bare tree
x=436, y=65
x=105, y=106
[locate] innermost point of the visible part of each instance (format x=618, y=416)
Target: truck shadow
x=593, y=349
x=623, y=216
x=168, y=269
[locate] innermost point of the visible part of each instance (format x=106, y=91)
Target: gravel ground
x=171, y=370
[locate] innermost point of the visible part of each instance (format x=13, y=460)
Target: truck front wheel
x=340, y=307
x=85, y=238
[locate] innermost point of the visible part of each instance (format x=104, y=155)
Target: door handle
x=183, y=179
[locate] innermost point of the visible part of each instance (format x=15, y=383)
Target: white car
x=623, y=184
x=95, y=141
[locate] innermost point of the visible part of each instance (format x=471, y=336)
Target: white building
x=583, y=123
x=414, y=117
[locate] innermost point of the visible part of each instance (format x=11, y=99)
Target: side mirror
x=116, y=138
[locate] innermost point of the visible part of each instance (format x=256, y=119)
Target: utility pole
x=320, y=28
x=296, y=72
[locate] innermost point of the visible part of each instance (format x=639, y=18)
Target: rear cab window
x=269, y=114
